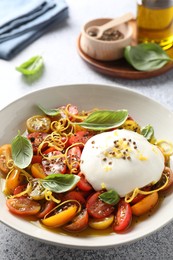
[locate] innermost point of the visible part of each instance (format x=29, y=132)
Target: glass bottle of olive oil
x=155, y=22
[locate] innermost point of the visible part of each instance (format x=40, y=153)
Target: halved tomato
x=62, y=216
x=74, y=155
x=78, y=223
x=74, y=195
x=36, y=138
x=5, y=156
x=80, y=137
x=46, y=207
x=123, y=216
x=38, y=123
x=83, y=184
x=97, y=208
x=54, y=163
x=23, y=206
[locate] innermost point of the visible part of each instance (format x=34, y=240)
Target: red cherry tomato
x=78, y=223
x=98, y=208
x=19, y=189
x=80, y=137
x=75, y=195
x=54, y=163
x=123, y=216
x=36, y=159
x=74, y=155
x=36, y=139
x=83, y=184
x=46, y=208
x=23, y=206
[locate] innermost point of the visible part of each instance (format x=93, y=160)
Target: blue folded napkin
x=25, y=21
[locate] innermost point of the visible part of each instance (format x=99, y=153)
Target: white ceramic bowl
x=105, y=50
x=143, y=109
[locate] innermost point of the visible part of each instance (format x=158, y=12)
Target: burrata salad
x=78, y=170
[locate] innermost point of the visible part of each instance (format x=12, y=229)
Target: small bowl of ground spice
x=110, y=45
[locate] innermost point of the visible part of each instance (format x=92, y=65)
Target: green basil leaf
x=146, y=56
x=110, y=197
x=60, y=182
x=148, y=132
x=22, y=151
x=32, y=66
x=49, y=112
x=104, y=119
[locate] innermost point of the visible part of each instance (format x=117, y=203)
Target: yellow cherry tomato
x=62, y=217
x=38, y=123
x=12, y=181
x=145, y=205
x=101, y=223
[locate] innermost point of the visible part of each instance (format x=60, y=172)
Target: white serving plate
x=85, y=96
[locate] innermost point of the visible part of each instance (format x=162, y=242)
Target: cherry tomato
x=54, y=163
x=37, y=171
x=38, y=123
x=169, y=173
x=123, y=216
x=36, y=139
x=63, y=216
x=78, y=223
x=74, y=155
x=83, y=184
x=46, y=208
x=75, y=195
x=140, y=196
x=36, y=159
x=14, y=179
x=80, y=137
x=98, y=208
x=19, y=189
x=23, y=206
x=102, y=223
x=5, y=156
x=145, y=205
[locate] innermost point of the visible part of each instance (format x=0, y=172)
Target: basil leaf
x=147, y=132
x=110, y=197
x=49, y=112
x=146, y=56
x=104, y=119
x=60, y=182
x=22, y=151
x=32, y=66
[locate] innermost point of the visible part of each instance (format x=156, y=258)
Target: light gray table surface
x=63, y=66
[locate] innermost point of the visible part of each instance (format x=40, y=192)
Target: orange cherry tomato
x=37, y=171
x=78, y=223
x=23, y=206
x=5, y=156
x=145, y=205
x=63, y=216
x=14, y=179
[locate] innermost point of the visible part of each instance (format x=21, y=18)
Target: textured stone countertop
x=64, y=66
